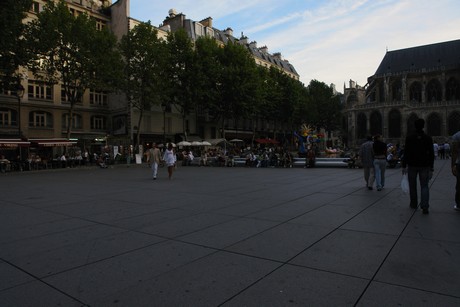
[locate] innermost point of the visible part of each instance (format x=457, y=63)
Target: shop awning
x=13, y=143
x=266, y=141
x=215, y=142
x=52, y=142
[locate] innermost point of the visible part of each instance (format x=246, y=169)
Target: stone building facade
x=418, y=82
x=103, y=118
x=40, y=114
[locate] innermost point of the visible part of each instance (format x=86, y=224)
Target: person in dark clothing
x=456, y=167
x=380, y=162
x=419, y=160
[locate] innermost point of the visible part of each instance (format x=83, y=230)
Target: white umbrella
x=205, y=143
x=236, y=141
x=184, y=143
x=196, y=143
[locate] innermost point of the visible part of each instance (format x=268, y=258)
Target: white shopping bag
x=405, y=184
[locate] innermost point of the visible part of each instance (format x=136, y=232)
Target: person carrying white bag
x=419, y=160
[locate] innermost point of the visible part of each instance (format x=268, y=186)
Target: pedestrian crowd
x=417, y=162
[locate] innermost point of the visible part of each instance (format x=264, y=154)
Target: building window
x=65, y=98
x=411, y=124
x=74, y=12
x=415, y=92
x=98, y=123
x=77, y=122
x=119, y=125
x=372, y=96
x=396, y=91
x=433, y=126
x=394, y=124
x=40, y=90
x=361, y=124
x=35, y=7
x=433, y=91
x=381, y=92
x=8, y=117
x=454, y=123
x=100, y=24
x=40, y=119
x=452, y=90
x=376, y=123
x=97, y=98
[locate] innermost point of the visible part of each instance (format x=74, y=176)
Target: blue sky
x=331, y=41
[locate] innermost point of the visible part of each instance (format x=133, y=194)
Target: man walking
x=366, y=154
x=419, y=158
x=154, y=158
x=456, y=167
x=380, y=162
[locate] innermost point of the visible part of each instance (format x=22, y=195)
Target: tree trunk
x=222, y=134
x=69, y=124
x=253, y=132
x=184, y=131
x=138, y=135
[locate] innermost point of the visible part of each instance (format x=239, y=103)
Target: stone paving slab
x=224, y=237
x=382, y=294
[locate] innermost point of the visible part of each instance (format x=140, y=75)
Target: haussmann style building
x=36, y=117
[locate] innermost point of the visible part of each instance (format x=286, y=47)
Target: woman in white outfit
x=170, y=159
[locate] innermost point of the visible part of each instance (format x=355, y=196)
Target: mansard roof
x=256, y=52
x=272, y=58
x=432, y=57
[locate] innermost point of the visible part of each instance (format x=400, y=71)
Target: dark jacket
x=380, y=149
x=418, y=150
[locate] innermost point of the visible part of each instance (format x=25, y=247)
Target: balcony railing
x=412, y=104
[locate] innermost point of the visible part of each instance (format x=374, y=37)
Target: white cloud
x=331, y=40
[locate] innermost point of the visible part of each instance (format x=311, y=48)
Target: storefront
x=12, y=148
x=50, y=148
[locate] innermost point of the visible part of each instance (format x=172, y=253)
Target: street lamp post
x=19, y=94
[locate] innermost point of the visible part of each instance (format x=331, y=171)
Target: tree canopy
x=145, y=58
x=181, y=74
x=327, y=106
x=70, y=50
x=13, y=51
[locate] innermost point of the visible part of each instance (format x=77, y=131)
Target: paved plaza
x=225, y=237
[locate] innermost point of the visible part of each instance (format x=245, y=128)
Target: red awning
x=13, y=143
x=266, y=141
x=52, y=142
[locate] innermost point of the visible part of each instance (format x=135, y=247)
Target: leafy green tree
x=208, y=76
x=13, y=51
x=240, y=83
x=145, y=63
x=304, y=111
x=181, y=74
x=327, y=105
x=70, y=50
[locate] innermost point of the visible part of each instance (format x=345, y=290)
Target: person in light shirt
x=170, y=159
